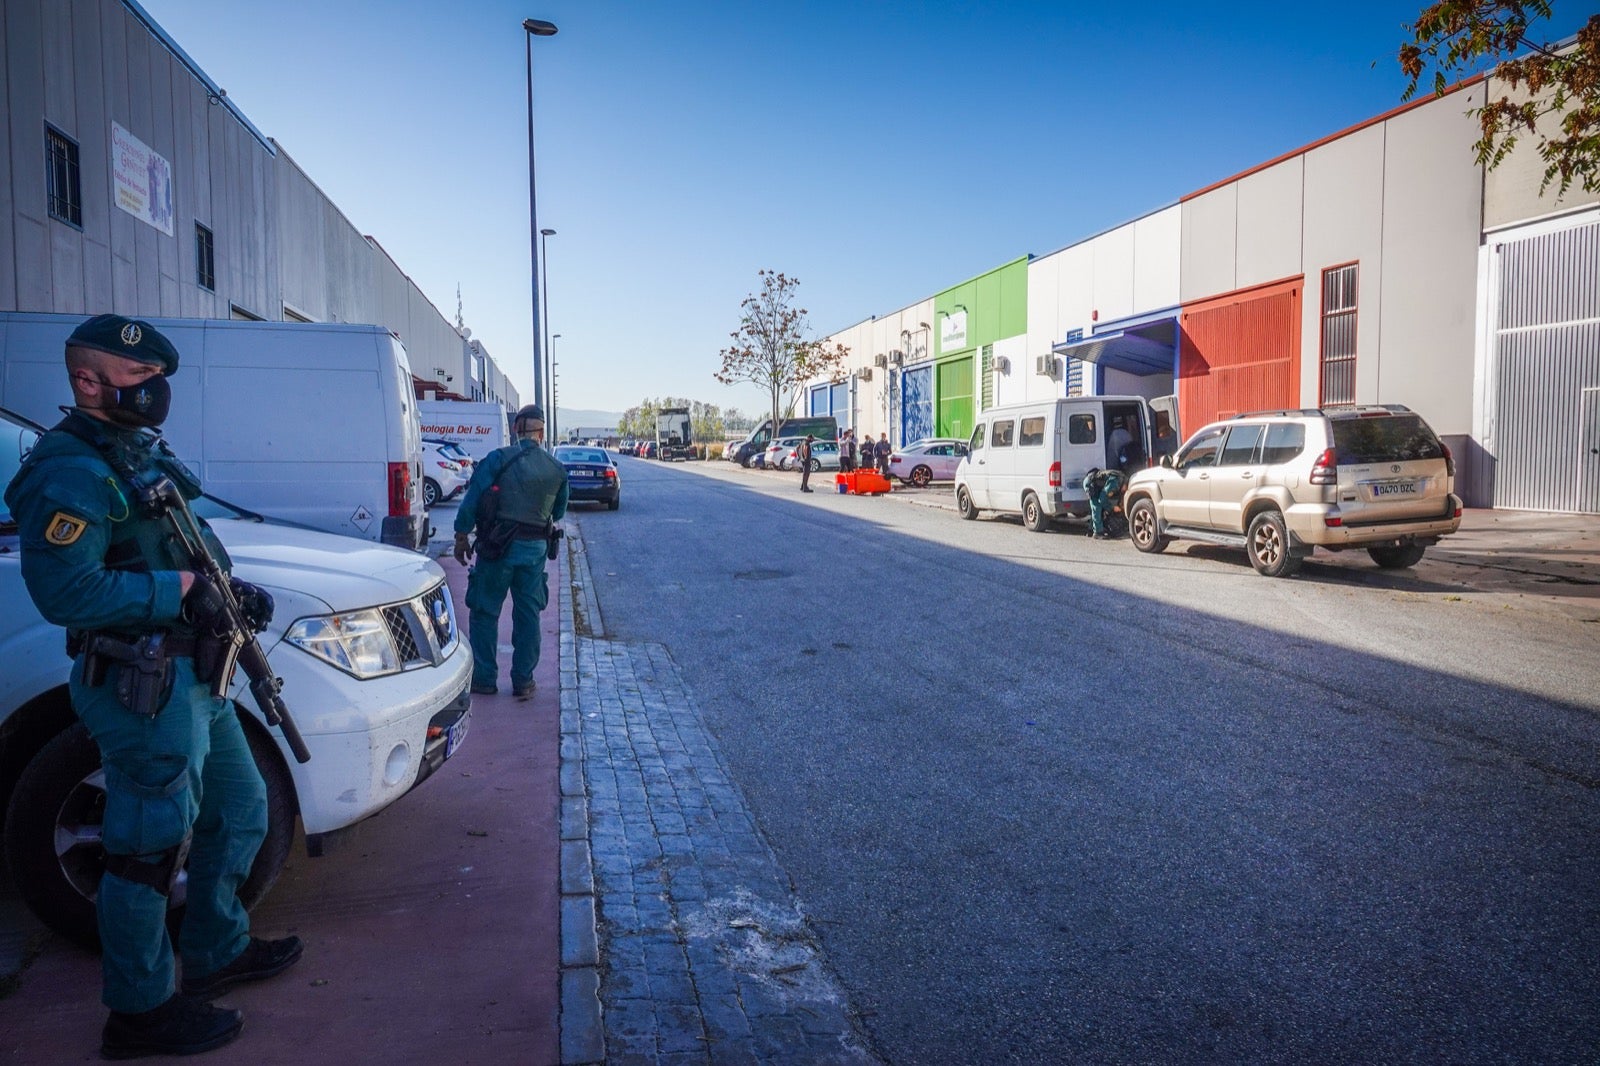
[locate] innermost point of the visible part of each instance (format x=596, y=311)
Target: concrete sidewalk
x=432, y=935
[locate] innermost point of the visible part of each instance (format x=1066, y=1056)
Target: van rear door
x=406, y=524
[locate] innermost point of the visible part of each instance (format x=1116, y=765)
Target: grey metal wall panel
x=1271, y=209
x=1344, y=224
x=1547, y=352
x=1209, y=248
x=1511, y=190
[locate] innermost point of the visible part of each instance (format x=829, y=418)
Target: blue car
x=591, y=475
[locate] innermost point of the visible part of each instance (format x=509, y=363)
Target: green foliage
x=705, y=419
x=1554, y=96
x=770, y=348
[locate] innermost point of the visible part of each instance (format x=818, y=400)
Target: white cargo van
x=1030, y=459
x=479, y=428
x=310, y=422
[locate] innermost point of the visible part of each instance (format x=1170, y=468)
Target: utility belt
x=493, y=543
x=142, y=667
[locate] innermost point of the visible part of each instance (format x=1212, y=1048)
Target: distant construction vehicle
x=674, y=440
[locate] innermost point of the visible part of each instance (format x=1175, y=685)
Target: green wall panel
x=953, y=397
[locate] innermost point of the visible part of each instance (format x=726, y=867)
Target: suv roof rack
x=1315, y=412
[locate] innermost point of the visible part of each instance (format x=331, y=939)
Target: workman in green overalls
x=179, y=778
x=515, y=496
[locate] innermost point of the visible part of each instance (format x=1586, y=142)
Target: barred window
x=1339, y=336
x=987, y=374
x=205, y=258
x=61, y=177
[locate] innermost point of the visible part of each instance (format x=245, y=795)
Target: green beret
x=127, y=337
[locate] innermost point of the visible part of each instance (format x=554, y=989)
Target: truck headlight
x=356, y=641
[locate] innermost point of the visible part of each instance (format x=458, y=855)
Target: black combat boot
x=180, y=1026
x=260, y=959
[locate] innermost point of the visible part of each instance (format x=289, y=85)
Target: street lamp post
x=549, y=356
x=534, y=28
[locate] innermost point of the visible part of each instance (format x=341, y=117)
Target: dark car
x=591, y=475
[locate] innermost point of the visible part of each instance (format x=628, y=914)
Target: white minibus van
x=1030, y=459
x=310, y=422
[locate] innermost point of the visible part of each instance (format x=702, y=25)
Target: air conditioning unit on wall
x=865, y=373
x=1002, y=364
x=897, y=357
x=1046, y=365
x=880, y=360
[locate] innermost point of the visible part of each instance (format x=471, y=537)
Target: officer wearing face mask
x=180, y=782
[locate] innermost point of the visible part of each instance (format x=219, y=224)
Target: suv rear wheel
x=1144, y=528
x=1398, y=557
x=1267, y=544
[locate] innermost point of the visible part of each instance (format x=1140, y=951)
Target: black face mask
x=144, y=405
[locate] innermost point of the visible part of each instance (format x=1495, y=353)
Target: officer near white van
x=180, y=783
x=513, y=501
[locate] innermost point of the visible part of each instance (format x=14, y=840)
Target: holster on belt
x=144, y=667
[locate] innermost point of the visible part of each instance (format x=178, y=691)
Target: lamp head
x=547, y=233
x=539, y=27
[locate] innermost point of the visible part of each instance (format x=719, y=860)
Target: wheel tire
x=1397, y=558
x=614, y=504
x=745, y=462
x=964, y=504
x=430, y=492
x=1033, y=515
x=1267, y=545
x=816, y=465
x=1145, y=529
x=922, y=476
x=61, y=795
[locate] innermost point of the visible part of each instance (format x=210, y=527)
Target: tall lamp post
x=534, y=28
x=553, y=410
x=544, y=256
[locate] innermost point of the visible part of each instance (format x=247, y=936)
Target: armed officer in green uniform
x=515, y=496
x=180, y=782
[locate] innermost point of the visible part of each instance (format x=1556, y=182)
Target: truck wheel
x=964, y=504
x=1144, y=528
x=1398, y=557
x=1267, y=544
x=430, y=492
x=52, y=838
x=1033, y=515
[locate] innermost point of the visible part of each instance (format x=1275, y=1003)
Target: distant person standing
x=882, y=450
x=514, y=498
x=803, y=457
x=847, y=452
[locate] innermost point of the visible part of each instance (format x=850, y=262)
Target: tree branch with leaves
x=1554, y=96
x=770, y=348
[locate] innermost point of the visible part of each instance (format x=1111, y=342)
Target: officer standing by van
x=513, y=500
x=180, y=783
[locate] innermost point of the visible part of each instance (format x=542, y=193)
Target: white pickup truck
x=374, y=671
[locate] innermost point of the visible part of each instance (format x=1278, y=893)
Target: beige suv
x=1280, y=484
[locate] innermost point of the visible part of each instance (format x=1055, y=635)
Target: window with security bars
x=988, y=377
x=1339, y=336
x=205, y=258
x=61, y=177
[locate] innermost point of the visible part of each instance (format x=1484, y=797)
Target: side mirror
x=1166, y=461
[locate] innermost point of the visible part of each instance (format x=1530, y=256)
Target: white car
x=375, y=673
x=778, y=450
x=442, y=474
x=924, y=461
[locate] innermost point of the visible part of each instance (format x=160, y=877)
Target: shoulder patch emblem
x=64, y=529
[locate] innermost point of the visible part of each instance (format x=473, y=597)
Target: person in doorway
x=513, y=500
x=802, y=459
x=1120, y=445
x=180, y=783
x=881, y=451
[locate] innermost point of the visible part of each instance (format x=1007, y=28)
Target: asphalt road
x=1046, y=799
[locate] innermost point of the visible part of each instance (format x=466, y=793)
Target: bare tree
x=770, y=348
x=1553, y=92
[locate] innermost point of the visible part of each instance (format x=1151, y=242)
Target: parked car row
x=1278, y=484
x=446, y=469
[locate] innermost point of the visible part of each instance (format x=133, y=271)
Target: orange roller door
x=1239, y=352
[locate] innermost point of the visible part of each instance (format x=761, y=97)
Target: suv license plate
x=456, y=734
x=1395, y=488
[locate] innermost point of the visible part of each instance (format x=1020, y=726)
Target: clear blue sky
x=878, y=151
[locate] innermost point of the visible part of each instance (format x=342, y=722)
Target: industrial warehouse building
x=132, y=184
x=1379, y=265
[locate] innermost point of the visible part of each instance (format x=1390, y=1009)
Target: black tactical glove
x=462, y=549
x=203, y=608
x=255, y=603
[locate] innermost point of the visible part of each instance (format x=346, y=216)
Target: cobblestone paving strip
x=705, y=955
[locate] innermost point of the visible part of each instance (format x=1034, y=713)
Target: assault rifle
x=160, y=498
